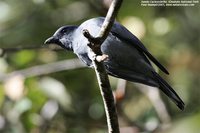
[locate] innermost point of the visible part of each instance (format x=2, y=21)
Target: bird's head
x=62, y=37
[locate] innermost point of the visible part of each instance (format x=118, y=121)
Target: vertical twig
x=103, y=81
x=108, y=99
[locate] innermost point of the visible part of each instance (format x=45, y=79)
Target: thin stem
x=110, y=19
x=103, y=81
x=107, y=95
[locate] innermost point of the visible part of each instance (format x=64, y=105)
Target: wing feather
x=122, y=33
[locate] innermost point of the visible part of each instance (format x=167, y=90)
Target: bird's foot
x=101, y=58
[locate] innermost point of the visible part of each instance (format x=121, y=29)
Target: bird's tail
x=168, y=90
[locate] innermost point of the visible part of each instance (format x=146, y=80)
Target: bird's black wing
x=122, y=33
x=168, y=90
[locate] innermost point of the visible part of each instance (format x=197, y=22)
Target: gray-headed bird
x=127, y=56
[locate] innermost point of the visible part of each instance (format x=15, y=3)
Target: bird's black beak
x=52, y=40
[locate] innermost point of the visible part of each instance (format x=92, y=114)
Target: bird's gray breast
x=80, y=42
x=80, y=45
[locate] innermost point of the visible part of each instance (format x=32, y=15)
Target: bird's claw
x=101, y=58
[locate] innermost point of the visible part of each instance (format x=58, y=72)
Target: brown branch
x=45, y=69
x=110, y=19
x=102, y=77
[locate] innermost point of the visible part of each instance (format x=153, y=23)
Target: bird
x=128, y=58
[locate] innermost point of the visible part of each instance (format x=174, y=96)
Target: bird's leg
x=98, y=58
x=101, y=58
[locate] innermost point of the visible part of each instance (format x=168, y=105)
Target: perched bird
x=127, y=56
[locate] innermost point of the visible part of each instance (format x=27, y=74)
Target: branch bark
x=102, y=77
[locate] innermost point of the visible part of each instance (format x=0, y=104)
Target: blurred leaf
x=56, y=90
x=49, y=109
x=23, y=105
x=23, y=58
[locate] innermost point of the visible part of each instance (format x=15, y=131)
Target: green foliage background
x=69, y=101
